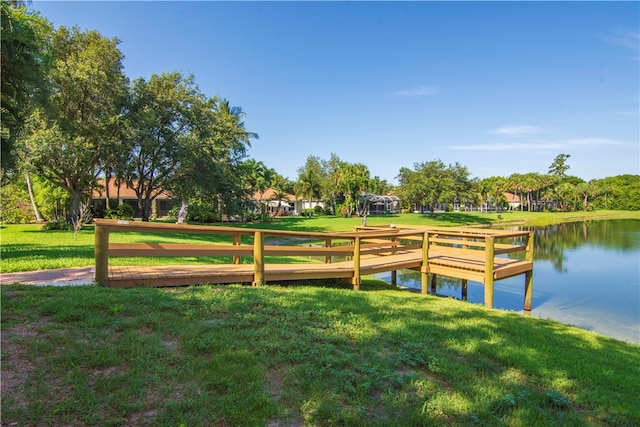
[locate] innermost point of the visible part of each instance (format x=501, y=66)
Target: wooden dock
x=463, y=253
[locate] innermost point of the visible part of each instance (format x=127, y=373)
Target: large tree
x=219, y=146
x=309, y=185
x=354, y=185
x=88, y=89
x=433, y=183
x=159, y=120
x=559, y=167
x=492, y=190
x=183, y=142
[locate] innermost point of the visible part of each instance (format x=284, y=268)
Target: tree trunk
x=145, y=208
x=118, y=193
x=74, y=207
x=107, y=180
x=36, y=212
x=182, y=215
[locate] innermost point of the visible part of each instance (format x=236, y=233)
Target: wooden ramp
x=177, y=275
x=440, y=262
x=467, y=254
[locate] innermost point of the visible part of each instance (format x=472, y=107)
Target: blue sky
x=500, y=87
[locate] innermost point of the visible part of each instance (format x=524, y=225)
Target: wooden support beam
x=327, y=244
x=528, y=276
x=101, y=253
x=434, y=283
x=488, y=271
x=258, y=259
x=464, y=289
x=424, y=271
x=237, y=241
x=394, y=277
x=356, y=264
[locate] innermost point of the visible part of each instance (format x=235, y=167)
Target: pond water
x=585, y=274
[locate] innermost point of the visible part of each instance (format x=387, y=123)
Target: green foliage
x=201, y=212
x=123, y=211
x=181, y=141
x=67, y=142
x=15, y=208
x=59, y=225
x=25, y=59
x=617, y=192
x=559, y=167
x=433, y=183
x=309, y=185
x=52, y=200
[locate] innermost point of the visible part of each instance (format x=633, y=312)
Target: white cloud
x=419, y=91
x=626, y=39
x=538, y=145
x=517, y=130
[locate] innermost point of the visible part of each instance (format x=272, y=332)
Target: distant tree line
x=71, y=118
x=433, y=185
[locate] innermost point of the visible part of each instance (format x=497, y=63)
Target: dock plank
x=440, y=262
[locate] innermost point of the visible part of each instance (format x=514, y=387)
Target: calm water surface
x=585, y=274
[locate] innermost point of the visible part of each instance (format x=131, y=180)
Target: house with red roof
x=121, y=193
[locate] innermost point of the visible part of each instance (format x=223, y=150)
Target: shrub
x=173, y=213
x=57, y=226
x=15, y=208
x=124, y=211
x=200, y=212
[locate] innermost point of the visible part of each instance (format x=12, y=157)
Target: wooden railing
x=465, y=253
x=353, y=245
x=475, y=254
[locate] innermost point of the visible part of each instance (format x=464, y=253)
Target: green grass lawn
x=28, y=248
x=300, y=355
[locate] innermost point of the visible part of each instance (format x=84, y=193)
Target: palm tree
x=260, y=178
x=25, y=60
x=309, y=184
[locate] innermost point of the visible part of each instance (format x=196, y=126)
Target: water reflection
x=585, y=274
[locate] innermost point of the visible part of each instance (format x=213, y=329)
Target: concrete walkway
x=77, y=276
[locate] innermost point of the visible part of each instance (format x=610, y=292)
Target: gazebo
x=383, y=204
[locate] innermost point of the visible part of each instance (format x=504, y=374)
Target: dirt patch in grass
x=17, y=364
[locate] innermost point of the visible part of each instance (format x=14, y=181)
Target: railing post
x=101, y=254
x=236, y=242
x=425, y=263
x=528, y=276
x=356, y=264
x=258, y=259
x=394, y=273
x=327, y=244
x=488, y=271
